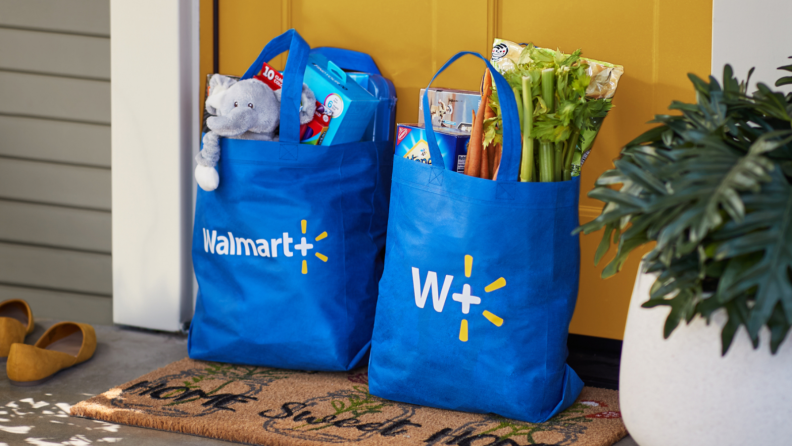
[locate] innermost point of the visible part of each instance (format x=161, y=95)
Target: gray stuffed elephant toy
x=246, y=109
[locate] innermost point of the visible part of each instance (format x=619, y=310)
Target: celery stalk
x=519, y=106
x=548, y=88
x=546, y=155
x=558, y=163
x=570, y=153
x=546, y=150
x=527, y=164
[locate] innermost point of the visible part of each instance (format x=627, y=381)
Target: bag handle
x=293, y=75
x=512, y=149
x=348, y=59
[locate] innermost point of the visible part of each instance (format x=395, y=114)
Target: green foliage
x=711, y=187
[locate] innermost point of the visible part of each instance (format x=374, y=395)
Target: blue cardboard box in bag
x=350, y=105
x=382, y=124
x=411, y=144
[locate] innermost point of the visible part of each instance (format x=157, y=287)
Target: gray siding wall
x=55, y=157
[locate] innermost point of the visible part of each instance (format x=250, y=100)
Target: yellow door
x=657, y=41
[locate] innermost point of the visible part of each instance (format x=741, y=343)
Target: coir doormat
x=276, y=407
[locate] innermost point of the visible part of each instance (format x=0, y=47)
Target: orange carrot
x=485, y=164
x=489, y=113
x=479, y=161
x=493, y=153
x=473, y=162
x=467, y=157
x=496, y=163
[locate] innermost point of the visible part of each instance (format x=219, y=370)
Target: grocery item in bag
x=505, y=54
x=451, y=109
x=604, y=76
x=411, y=144
x=363, y=70
x=350, y=106
x=382, y=124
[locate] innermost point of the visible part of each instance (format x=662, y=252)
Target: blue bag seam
x=296, y=166
x=373, y=195
x=547, y=331
x=507, y=203
x=346, y=278
x=359, y=355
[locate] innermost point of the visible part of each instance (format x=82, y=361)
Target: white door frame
x=155, y=134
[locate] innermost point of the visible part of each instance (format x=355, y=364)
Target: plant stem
x=570, y=154
x=546, y=156
x=519, y=106
x=548, y=88
x=558, y=164
x=546, y=149
x=527, y=165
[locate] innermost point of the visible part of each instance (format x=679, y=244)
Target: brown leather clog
x=16, y=322
x=65, y=344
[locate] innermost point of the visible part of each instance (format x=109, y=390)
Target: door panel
x=658, y=42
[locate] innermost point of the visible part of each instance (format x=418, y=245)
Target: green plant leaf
x=626, y=246
x=707, y=188
x=604, y=244
x=779, y=327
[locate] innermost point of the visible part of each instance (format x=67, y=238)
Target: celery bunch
x=550, y=89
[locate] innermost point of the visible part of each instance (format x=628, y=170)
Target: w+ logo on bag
x=466, y=298
x=222, y=245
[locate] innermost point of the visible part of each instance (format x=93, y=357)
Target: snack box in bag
x=411, y=144
x=349, y=105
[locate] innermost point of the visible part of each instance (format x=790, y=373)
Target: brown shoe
x=16, y=322
x=65, y=344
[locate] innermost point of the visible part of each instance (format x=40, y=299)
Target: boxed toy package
x=451, y=109
x=349, y=105
x=411, y=144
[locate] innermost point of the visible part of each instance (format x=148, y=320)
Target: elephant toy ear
x=307, y=105
x=218, y=86
x=278, y=94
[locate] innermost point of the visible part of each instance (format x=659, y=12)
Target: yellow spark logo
x=304, y=246
x=466, y=298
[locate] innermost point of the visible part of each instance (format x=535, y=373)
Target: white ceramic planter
x=680, y=391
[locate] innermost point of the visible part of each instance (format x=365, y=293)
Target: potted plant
x=711, y=188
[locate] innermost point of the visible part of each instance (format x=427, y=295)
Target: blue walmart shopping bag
x=288, y=250
x=479, y=287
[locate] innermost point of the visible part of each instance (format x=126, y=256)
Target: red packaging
x=270, y=76
x=312, y=132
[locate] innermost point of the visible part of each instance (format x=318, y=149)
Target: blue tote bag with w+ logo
x=480, y=282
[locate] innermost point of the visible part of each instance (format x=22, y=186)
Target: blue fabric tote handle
x=512, y=146
x=348, y=59
x=293, y=75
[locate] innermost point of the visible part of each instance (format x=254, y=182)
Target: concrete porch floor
x=38, y=415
